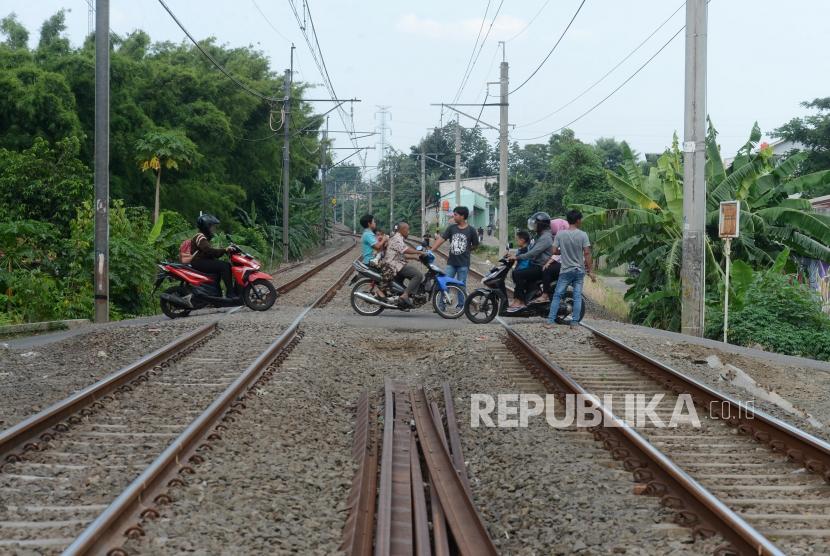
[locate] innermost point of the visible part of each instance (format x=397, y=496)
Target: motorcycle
x=200, y=290
x=484, y=304
x=371, y=294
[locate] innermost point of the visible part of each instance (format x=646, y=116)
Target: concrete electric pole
x=102, y=159
x=323, y=144
x=457, y=162
x=423, y=192
x=693, y=269
x=503, y=146
x=285, y=155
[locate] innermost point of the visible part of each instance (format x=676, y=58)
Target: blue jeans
x=574, y=278
x=460, y=274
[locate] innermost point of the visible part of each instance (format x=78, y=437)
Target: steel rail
x=122, y=518
x=394, y=532
x=467, y=527
x=24, y=435
x=357, y=532
x=797, y=445
x=440, y=533
x=291, y=284
x=694, y=504
x=455, y=439
x=332, y=291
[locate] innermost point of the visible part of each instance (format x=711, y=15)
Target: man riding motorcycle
x=395, y=259
x=206, y=257
x=538, y=255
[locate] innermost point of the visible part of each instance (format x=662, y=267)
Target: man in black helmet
x=206, y=257
x=538, y=255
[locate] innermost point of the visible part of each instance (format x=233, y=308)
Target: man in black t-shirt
x=463, y=239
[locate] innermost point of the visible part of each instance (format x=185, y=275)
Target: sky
x=764, y=58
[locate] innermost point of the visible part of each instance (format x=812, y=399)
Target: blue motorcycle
x=371, y=294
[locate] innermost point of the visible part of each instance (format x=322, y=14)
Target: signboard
x=334, y=200
x=729, y=220
x=445, y=204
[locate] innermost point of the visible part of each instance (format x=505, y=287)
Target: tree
x=612, y=152
x=814, y=133
x=579, y=169
x=16, y=35
x=646, y=226
x=45, y=182
x=164, y=148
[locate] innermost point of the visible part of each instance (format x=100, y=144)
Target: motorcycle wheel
x=445, y=302
x=260, y=295
x=481, y=308
x=174, y=311
x=568, y=303
x=361, y=307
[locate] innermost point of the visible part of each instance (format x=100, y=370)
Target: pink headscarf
x=558, y=224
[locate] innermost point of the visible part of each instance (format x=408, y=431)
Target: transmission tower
x=382, y=114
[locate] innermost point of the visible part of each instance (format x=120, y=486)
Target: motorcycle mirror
x=510, y=245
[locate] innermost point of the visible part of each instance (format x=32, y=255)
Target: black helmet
x=204, y=222
x=538, y=221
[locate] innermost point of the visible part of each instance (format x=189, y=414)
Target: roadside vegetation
x=184, y=139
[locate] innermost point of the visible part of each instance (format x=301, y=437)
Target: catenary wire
x=480, y=48
x=545, y=59
x=473, y=52
x=529, y=23
x=598, y=104
x=609, y=72
x=219, y=66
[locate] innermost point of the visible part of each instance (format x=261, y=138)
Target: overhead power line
x=609, y=72
x=219, y=66
x=473, y=52
x=545, y=59
x=480, y=48
x=268, y=21
x=529, y=23
x=597, y=105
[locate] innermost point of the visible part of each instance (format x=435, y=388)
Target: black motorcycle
x=372, y=294
x=484, y=304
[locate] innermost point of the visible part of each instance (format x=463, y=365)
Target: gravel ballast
x=278, y=481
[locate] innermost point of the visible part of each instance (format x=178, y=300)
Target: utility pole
x=323, y=146
x=503, y=154
x=391, y=197
x=285, y=154
x=457, y=162
x=693, y=267
x=102, y=159
x=423, y=191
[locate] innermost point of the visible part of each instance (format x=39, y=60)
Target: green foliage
x=771, y=309
x=813, y=132
x=45, y=182
x=170, y=108
x=646, y=226
x=16, y=34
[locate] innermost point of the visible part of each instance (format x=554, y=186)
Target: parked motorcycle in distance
x=485, y=303
x=633, y=270
x=200, y=290
x=371, y=294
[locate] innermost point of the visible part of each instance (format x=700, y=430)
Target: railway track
x=63, y=466
x=408, y=521
x=756, y=481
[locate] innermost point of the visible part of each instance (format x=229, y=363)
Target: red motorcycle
x=199, y=290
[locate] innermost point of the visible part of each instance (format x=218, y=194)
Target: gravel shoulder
x=803, y=383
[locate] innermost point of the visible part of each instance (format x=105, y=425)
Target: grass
x=487, y=251
x=611, y=300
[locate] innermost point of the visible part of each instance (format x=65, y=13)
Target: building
x=821, y=204
x=473, y=196
x=780, y=148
